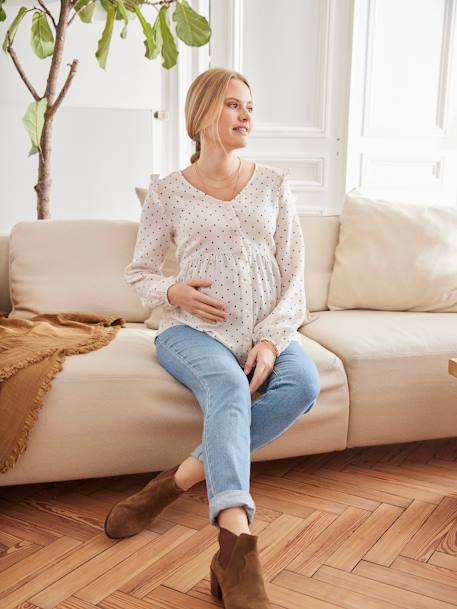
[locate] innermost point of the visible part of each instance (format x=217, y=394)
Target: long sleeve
x=153, y=240
x=290, y=311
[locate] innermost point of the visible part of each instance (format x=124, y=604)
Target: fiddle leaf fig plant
x=48, y=40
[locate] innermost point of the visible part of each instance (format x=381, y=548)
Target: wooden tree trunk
x=43, y=186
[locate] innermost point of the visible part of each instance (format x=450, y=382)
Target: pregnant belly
x=226, y=287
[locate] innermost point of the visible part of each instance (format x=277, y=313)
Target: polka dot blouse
x=251, y=248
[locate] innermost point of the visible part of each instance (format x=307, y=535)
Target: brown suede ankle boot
x=132, y=515
x=236, y=572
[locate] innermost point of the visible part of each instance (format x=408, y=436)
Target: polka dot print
x=251, y=248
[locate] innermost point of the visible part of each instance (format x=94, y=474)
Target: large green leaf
x=158, y=35
x=105, y=41
x=42, y=39
x=169, y=50
x=192, y=28
x=153, y=42
x=11, y=31
x=85, y=14
x=33, y=121
x=2, y=12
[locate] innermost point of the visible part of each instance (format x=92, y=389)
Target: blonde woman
x=230, y=321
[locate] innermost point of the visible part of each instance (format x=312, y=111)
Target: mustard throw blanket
x=32, y=352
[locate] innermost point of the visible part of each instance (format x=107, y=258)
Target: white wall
x=103, y=136
x=347, y=93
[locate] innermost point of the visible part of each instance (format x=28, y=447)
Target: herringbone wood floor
x=369, y=528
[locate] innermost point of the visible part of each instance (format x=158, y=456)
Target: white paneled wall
x=296, y=55
x=347, y=93
x=403, y=113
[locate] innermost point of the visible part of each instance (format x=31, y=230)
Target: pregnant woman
x=229, y=325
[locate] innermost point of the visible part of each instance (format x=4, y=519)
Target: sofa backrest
x=320, y=234
x=47, y=266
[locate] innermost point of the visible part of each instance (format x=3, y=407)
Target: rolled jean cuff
x=229, y=499
x=198, y=453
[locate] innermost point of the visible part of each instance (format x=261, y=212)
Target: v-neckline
x=205, y=195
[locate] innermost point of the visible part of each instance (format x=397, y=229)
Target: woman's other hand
x=263, y=356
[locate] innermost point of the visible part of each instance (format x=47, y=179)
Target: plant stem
x=43, y=186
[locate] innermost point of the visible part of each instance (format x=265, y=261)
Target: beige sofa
x=116, y=411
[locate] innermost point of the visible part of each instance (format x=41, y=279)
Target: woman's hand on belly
x=186, y=295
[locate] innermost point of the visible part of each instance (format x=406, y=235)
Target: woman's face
x=237, y=109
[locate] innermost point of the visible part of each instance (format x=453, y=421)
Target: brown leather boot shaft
x=240, y=584
x=227, y=540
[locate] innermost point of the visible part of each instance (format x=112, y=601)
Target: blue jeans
x=233, y=425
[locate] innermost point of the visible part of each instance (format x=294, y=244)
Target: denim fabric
x=233, y=425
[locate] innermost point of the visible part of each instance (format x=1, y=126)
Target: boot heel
x=215, y=588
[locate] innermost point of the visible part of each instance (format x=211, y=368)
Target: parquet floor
x=368, y=528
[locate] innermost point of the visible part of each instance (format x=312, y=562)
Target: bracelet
x=267, y=340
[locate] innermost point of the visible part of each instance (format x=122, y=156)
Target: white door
x=296, y=55
x=403, y=114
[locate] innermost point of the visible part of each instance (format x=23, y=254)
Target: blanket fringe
x=22, y=443
x=32, y=359
x=94, y=343
x=32, y=417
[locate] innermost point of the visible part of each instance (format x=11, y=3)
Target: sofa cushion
x=394, y=257
x=120, y=412
x=73, y=266
x=397, y=369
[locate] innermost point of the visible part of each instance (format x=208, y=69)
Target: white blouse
x=251, y=248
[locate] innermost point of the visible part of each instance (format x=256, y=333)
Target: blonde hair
x=204, y=102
